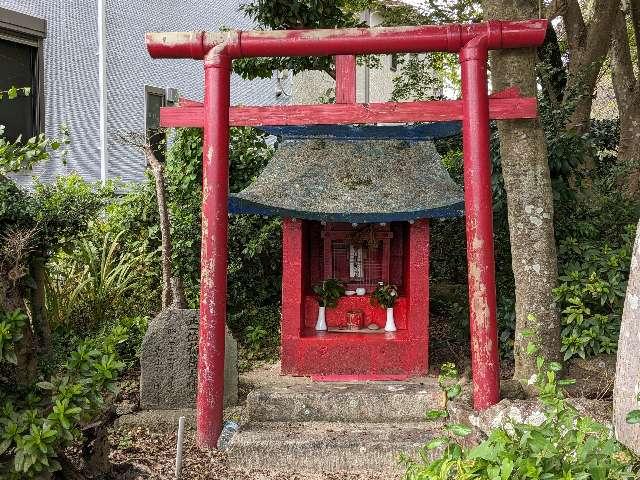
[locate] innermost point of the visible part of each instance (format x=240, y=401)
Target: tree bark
x=627, y=91
x=588, y=46
x=529, y=200
x=627, y=380
x=41, y=326
x=172, y=287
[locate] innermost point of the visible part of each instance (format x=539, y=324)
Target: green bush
x=93, y=282
x=565, y=445
x=11, y=327
x=58, y=212
x=260, y=333
x=38, y=422
x=593, y=281
x=255, y=243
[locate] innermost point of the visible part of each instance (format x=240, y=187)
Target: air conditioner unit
x=172, y=96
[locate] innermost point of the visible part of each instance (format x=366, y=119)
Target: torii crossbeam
x=472, y=43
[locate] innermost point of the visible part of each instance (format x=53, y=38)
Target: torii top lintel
x=351, y=41
x=469, y=39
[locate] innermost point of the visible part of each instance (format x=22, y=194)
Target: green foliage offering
x=35, y=425
x=565, y=445
x=385, y=295
x=329, y=292
x=11, y=326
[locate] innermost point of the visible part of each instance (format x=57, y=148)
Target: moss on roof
x=358, y=181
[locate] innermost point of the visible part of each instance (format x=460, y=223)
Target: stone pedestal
x=169, y=359
x=627, y=383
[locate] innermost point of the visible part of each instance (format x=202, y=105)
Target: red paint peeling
x=479, y=217
x=345, y=114
x=414, y=39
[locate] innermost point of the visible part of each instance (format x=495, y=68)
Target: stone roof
x=352, y=181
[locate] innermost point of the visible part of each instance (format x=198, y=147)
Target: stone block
x=311, y=447
x=169, y=359
x=345, y=402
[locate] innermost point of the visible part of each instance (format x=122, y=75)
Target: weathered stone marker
x=168, y=362
x=627, y=383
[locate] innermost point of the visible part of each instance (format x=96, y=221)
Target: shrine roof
x=359, y=181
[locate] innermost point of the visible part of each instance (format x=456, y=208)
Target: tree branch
x=172, y=287
x=588, y=47
x=623, y=77
x=573, y=23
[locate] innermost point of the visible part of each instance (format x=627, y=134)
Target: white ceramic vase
x=390, y=326
x=321, y=324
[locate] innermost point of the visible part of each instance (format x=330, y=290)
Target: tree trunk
x=41, y=326
x=588, y=46
x=626, y=86
x=627, y=380
x=529, y=200
x=172, y=288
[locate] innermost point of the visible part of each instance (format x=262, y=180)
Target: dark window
x=155, y=99
x=21, y=66
x=19, y=70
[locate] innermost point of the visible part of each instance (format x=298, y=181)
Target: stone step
x=327, y=446
x=344, y=402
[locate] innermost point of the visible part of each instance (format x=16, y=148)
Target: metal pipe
x=213, y=280
x=102, y=90
x=350, y=41
x=479, y=224
x=179, y=448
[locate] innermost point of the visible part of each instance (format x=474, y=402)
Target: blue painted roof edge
x=411, y=133
x=239, y=205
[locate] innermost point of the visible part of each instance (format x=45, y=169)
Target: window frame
x=28, y=30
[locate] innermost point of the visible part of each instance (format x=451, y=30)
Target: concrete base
x=327, y=446
x=297, y=425
x=345, y=402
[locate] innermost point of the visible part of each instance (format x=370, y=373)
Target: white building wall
x=71, y=73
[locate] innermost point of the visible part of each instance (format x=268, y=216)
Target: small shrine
x=356, y=207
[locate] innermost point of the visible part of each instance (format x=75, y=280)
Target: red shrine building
x=356, y=207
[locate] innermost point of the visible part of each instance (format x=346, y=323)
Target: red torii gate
x=471, y=41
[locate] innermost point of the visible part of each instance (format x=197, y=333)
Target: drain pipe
x=102, y=89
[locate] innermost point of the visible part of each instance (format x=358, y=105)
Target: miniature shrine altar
x=357, y=210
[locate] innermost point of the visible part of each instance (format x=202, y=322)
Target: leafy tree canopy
x=295, y=15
